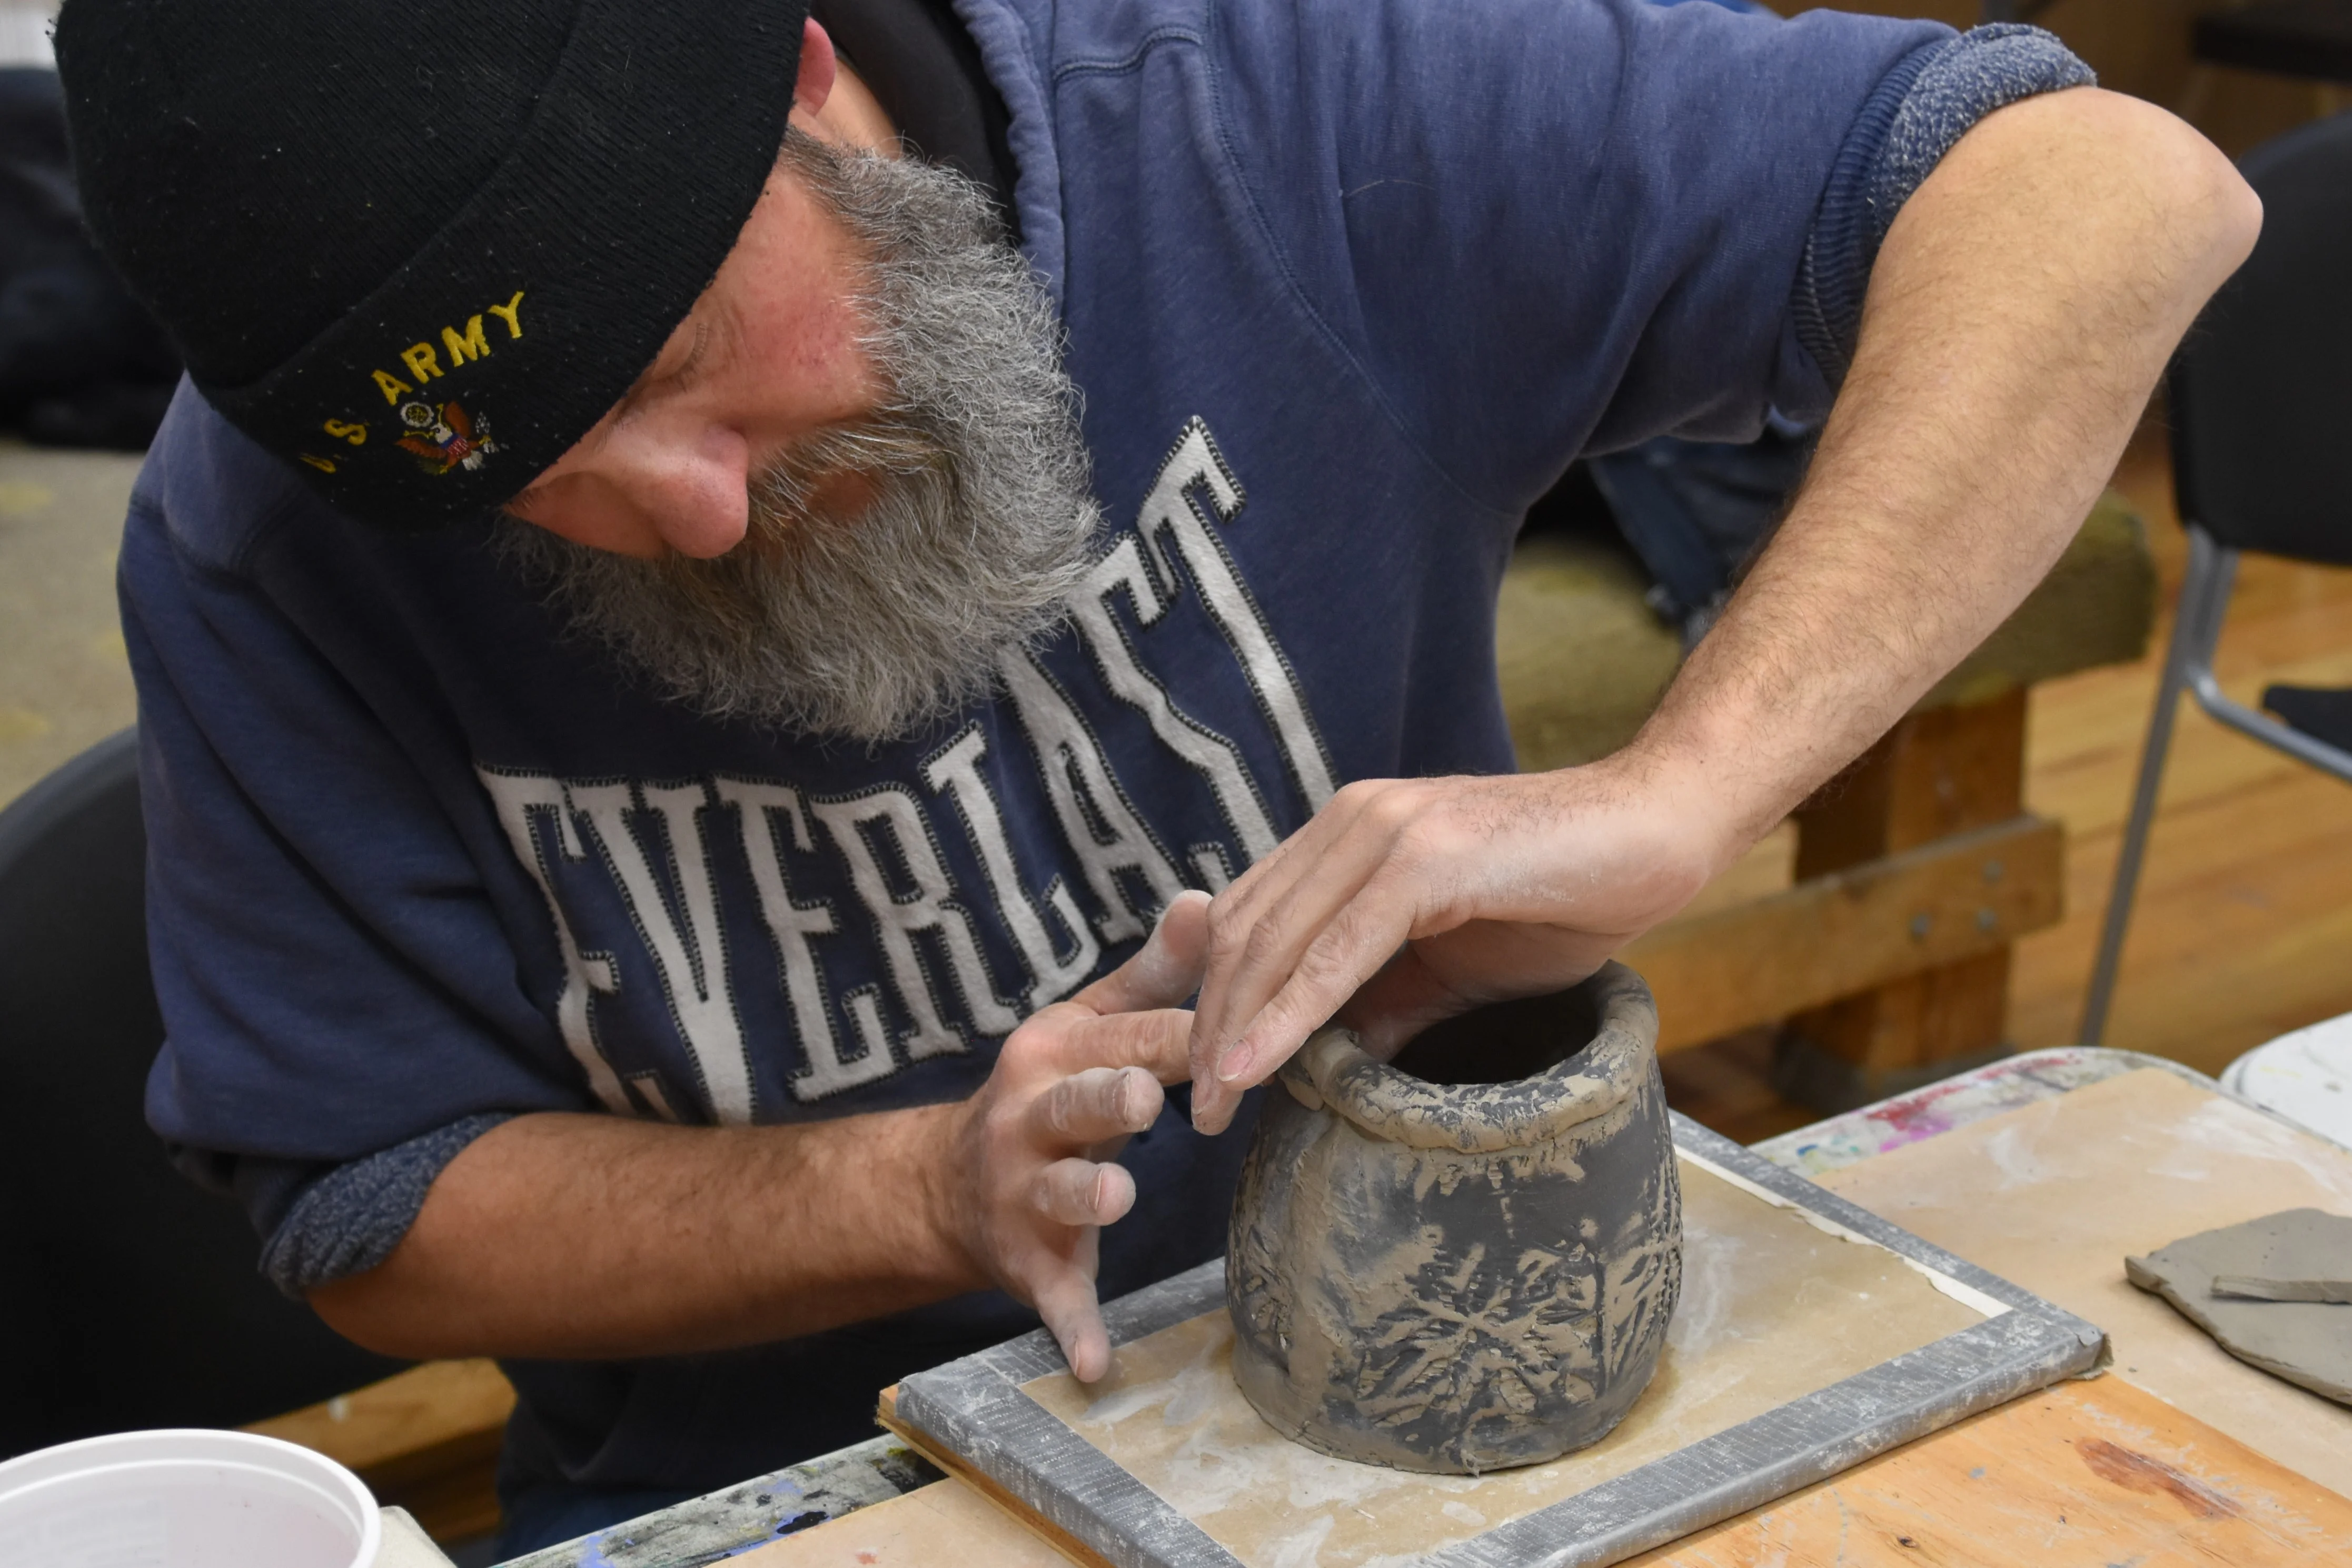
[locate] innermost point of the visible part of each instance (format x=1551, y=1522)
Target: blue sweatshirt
x=1347, y=284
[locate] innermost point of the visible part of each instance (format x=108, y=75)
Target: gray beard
x=874, y=625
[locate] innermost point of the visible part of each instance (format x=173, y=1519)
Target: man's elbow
x=2199, y=215
x=2213, y=204
x=379, y=1311
x=2239, y=222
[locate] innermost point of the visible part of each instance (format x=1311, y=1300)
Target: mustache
x=802, y=485
x=866, y=622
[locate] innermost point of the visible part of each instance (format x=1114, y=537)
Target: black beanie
x=418, y=247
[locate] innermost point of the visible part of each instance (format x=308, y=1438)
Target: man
x=668, y=719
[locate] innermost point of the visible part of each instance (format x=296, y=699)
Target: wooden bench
x=1888, y=953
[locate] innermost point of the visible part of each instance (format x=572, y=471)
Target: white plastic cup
x=188, y=1498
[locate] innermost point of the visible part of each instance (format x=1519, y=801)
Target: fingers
x=1097, y=1104
x=1290, y=949
x=1260, y=924
x=1081, y=1191
x=1085, y=1075
x=1065, y=1298
x=1166, y=970
x=1357, y=942
x=1073, y=1040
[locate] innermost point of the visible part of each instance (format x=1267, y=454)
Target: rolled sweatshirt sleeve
x=1927, y=103
x=1544, y=229
x=336, y=983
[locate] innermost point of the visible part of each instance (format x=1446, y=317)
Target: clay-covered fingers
x=1072, y=1083
x=1082, y=1192
x=1094, y=1106
x=1350, y=948
x=1064, y=1294
x=1290, y=941
x=1165, y=970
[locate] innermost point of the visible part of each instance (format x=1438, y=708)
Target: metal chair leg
x=2204, y=595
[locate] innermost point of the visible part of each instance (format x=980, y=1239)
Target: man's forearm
x=2024, y=304
x=2021, y=309
x=604, y=1237
x=597, y=1236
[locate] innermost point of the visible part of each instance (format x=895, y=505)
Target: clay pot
x=1465, y=1259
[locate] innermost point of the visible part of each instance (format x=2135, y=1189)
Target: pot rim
x=1331, y=1070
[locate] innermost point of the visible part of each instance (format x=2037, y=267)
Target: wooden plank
x=1061, y=1543
x=2086, y=1472
x=2054, y=1196
x=945, y=1525
x=1936, y=774
x=1946, y=771
x=1953, y=1010
x=426, y=1439
x=1951, y=901
x=388, y=1428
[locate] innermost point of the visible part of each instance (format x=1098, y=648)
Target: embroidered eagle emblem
x=442, y=437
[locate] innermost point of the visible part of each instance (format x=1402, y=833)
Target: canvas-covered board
x=1811, y=1335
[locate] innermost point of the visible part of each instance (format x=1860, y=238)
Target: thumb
x=1169, y=967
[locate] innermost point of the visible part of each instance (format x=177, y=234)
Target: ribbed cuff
x=1924, y=106
x=348, y=1220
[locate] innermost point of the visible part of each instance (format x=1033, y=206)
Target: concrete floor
x=65, y=680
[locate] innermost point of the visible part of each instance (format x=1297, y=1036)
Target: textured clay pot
x=1465, y=1259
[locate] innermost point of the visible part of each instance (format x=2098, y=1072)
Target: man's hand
x=1031, y=1185
x=604, y=1238
x=2021, y=310
x=1411, y=900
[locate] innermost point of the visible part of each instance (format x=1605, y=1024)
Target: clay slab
x=2304, y=1338
x=1812, y=1336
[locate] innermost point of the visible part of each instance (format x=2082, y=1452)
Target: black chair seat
x=128, y=1296
x=2324, y=713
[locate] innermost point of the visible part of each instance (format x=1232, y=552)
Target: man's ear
x=815, y=82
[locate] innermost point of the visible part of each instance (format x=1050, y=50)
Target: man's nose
x=690, y=485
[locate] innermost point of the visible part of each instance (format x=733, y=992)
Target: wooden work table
x=2045, y=1169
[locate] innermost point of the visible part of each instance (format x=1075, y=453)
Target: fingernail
x=1235, y=1064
